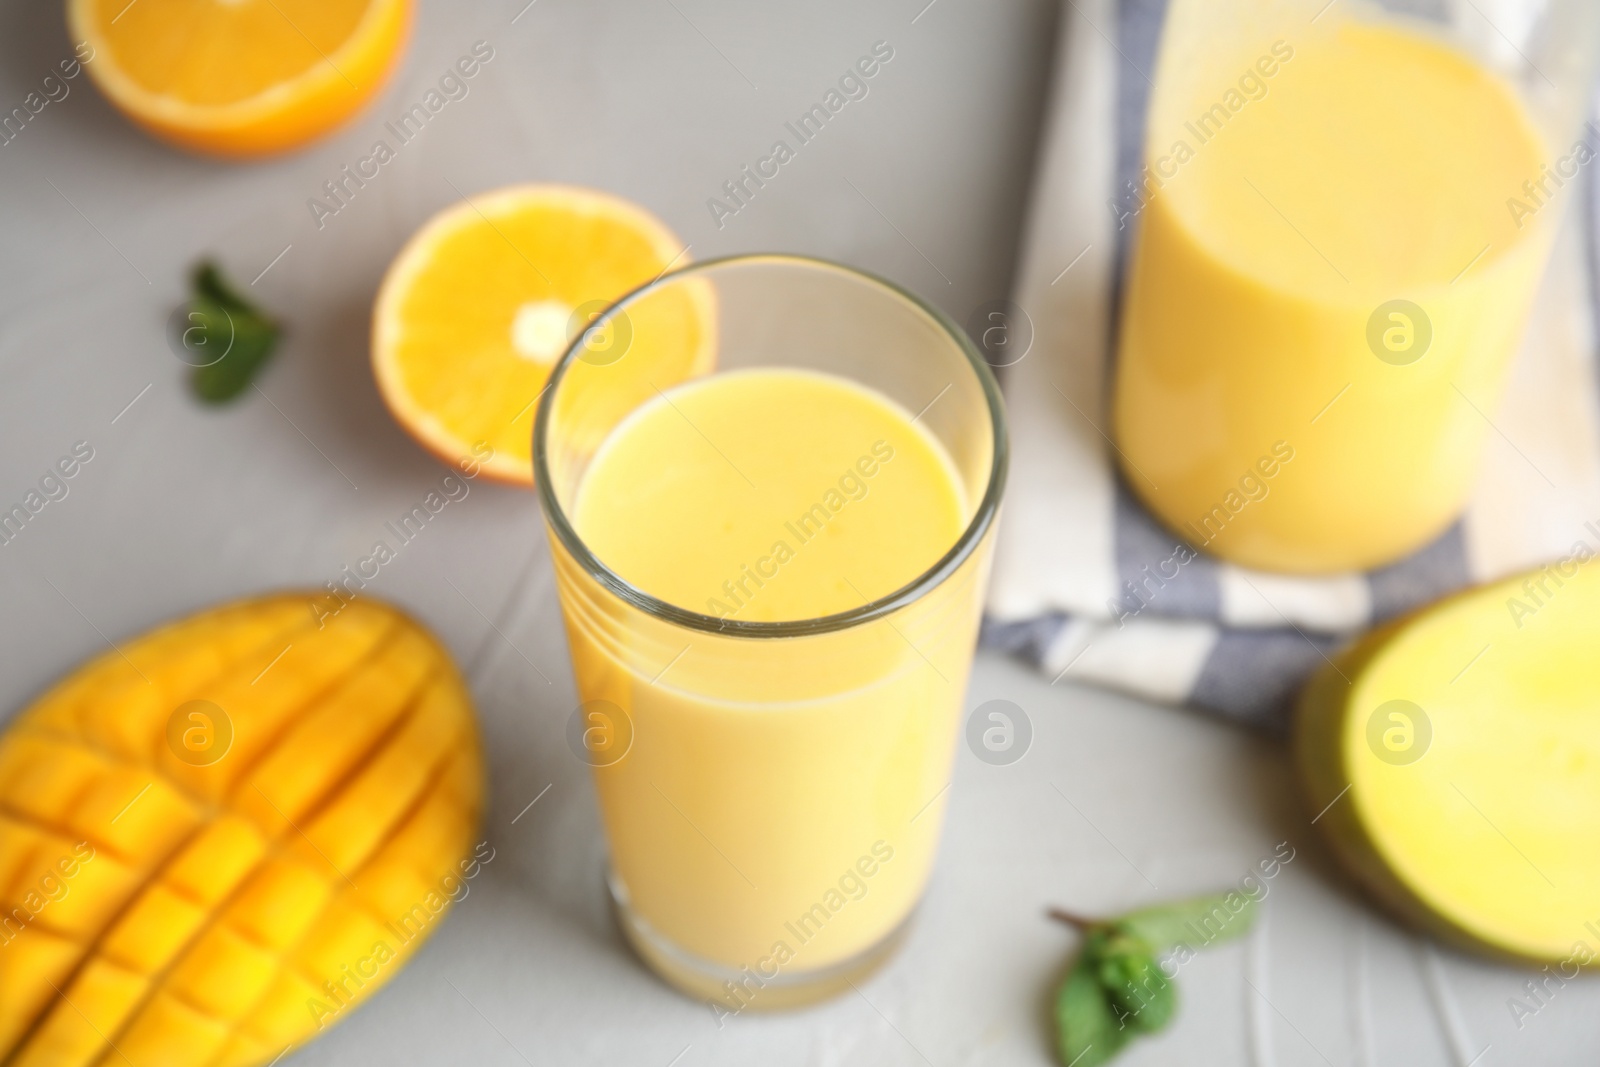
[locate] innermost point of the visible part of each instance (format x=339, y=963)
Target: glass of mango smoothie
x=770, y=566
x=1343, y=216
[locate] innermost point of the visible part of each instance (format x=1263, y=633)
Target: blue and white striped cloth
x=1234, y=642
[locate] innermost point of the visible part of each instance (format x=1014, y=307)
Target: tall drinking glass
x=772, y=787
x=1345, y=211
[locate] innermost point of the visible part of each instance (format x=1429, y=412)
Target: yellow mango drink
x=823, y=466
x=773, y=549
x=1337, y=247
x=771, y=578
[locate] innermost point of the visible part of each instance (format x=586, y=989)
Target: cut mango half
x=239, y=78
x=221, y=837
x=1453, y=762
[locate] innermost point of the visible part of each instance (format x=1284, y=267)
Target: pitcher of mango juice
x=771, y=572
x=1343, y=215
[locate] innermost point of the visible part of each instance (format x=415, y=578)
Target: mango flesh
x=175, y=895
x=1454, y=758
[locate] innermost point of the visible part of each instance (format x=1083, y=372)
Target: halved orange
x=486, y=296
x=240, y=78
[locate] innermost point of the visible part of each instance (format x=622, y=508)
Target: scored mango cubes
x=214, y=840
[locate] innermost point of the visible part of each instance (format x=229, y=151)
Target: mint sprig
x=1117, y=989
x=240, y=335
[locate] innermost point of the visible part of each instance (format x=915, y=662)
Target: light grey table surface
x=1117, y=802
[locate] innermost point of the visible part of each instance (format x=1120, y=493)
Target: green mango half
x=1451, y=760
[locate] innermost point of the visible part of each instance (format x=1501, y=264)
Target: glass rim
x=983, y=516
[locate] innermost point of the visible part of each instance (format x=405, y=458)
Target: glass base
x=733, y=991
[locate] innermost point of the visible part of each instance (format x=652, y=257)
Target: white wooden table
x=1117, y=803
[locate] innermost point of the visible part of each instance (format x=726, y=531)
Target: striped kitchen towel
x=1074, y=542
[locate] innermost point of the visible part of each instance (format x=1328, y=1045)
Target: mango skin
x=169, y=903
x=1545, y=643
x=1318, y=724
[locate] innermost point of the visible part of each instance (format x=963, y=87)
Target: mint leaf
x=1089, y=1031
x=1117, y=989
x=208, y=282
x=1144, y=997
x=1196, y=923
x=243, y=337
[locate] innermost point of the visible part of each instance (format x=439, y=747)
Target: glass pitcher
x=1343, y=216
